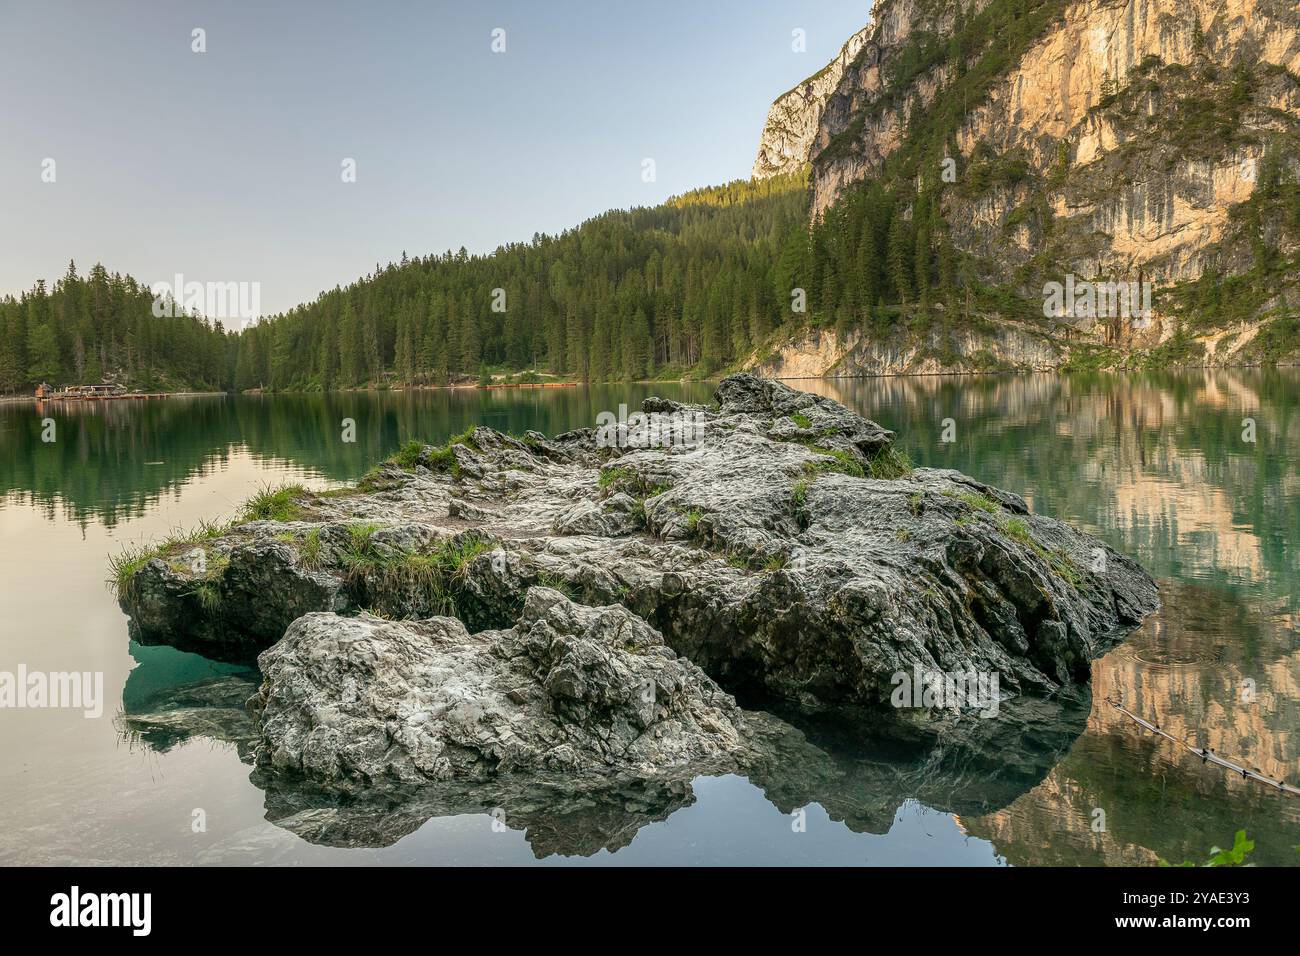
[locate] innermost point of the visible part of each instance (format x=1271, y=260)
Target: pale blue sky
x=225, y=166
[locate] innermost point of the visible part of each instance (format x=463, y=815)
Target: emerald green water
x=1155, y=464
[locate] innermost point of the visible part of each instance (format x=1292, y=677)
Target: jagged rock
x=861, y=766
x=261, y=587
x=569, y=689
x=789, y=552
x=792, y=122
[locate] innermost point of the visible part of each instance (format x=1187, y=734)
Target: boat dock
x=91, y=393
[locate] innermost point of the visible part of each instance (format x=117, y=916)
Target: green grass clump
x=208, y=595
x=123, y=566
x=275, y=504
x=889, y=463
x=547, y=580
x=1062, y=565
x=309, y=550
x=444, y=459
x=615, y=478
x=408, y=456
x=799, y=492
x=361, y=546
x=754, y=562
x=834, y=460
x=976, y=501
x=802, y=420
x=1017, y=530
x=429, y=579
x=465, y=438
x=1064, y=568
x=435, y=457
x=886, y=463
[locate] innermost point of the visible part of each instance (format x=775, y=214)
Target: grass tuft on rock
x=976, y=501
x=428, y=580
x=276, y=504
x=1061, y=564
x=123, y=566
x=408, y=456
x=885, y=463
x=616, y=478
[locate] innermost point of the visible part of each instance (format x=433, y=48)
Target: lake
x=1159, y=465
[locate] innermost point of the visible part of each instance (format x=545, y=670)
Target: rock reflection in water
x=860, y=767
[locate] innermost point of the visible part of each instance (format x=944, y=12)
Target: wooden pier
x=92, y=393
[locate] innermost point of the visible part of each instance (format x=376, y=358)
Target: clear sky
x=226, y=165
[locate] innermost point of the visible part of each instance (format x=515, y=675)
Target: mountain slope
x=1148, y=141
x=684, y=287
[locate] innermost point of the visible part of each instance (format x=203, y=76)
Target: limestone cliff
x=795, y=117
x=1144, y=141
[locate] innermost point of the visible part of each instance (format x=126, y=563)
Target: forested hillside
x=102, y=326
x=686, y=286
x=974, y=153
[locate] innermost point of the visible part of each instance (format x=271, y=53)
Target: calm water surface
x=1154, y=464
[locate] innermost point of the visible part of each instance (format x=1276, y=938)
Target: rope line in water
x=1206, y=754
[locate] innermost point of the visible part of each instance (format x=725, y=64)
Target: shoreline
x=31, y=399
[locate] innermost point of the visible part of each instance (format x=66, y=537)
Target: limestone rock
x=789, y=552
x=569, y=689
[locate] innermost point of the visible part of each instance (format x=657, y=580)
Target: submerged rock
x=569, y=689
x=786, y=549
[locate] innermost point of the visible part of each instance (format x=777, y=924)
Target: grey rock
x=569, y=689
x=861, y=766
x=789, y=552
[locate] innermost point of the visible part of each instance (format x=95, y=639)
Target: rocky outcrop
x=860, y=766
x=793, y=121
x=1000, y=347
x=1113, y=140
x=786, y=551
x=570, y=689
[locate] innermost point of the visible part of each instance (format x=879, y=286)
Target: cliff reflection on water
x=1157, y=464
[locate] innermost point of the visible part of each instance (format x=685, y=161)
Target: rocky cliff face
x=795, y=118
x=1121, y=140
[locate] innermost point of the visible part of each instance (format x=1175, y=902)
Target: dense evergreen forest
x=101, y=326
x=690, y=287
x=685, y=286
